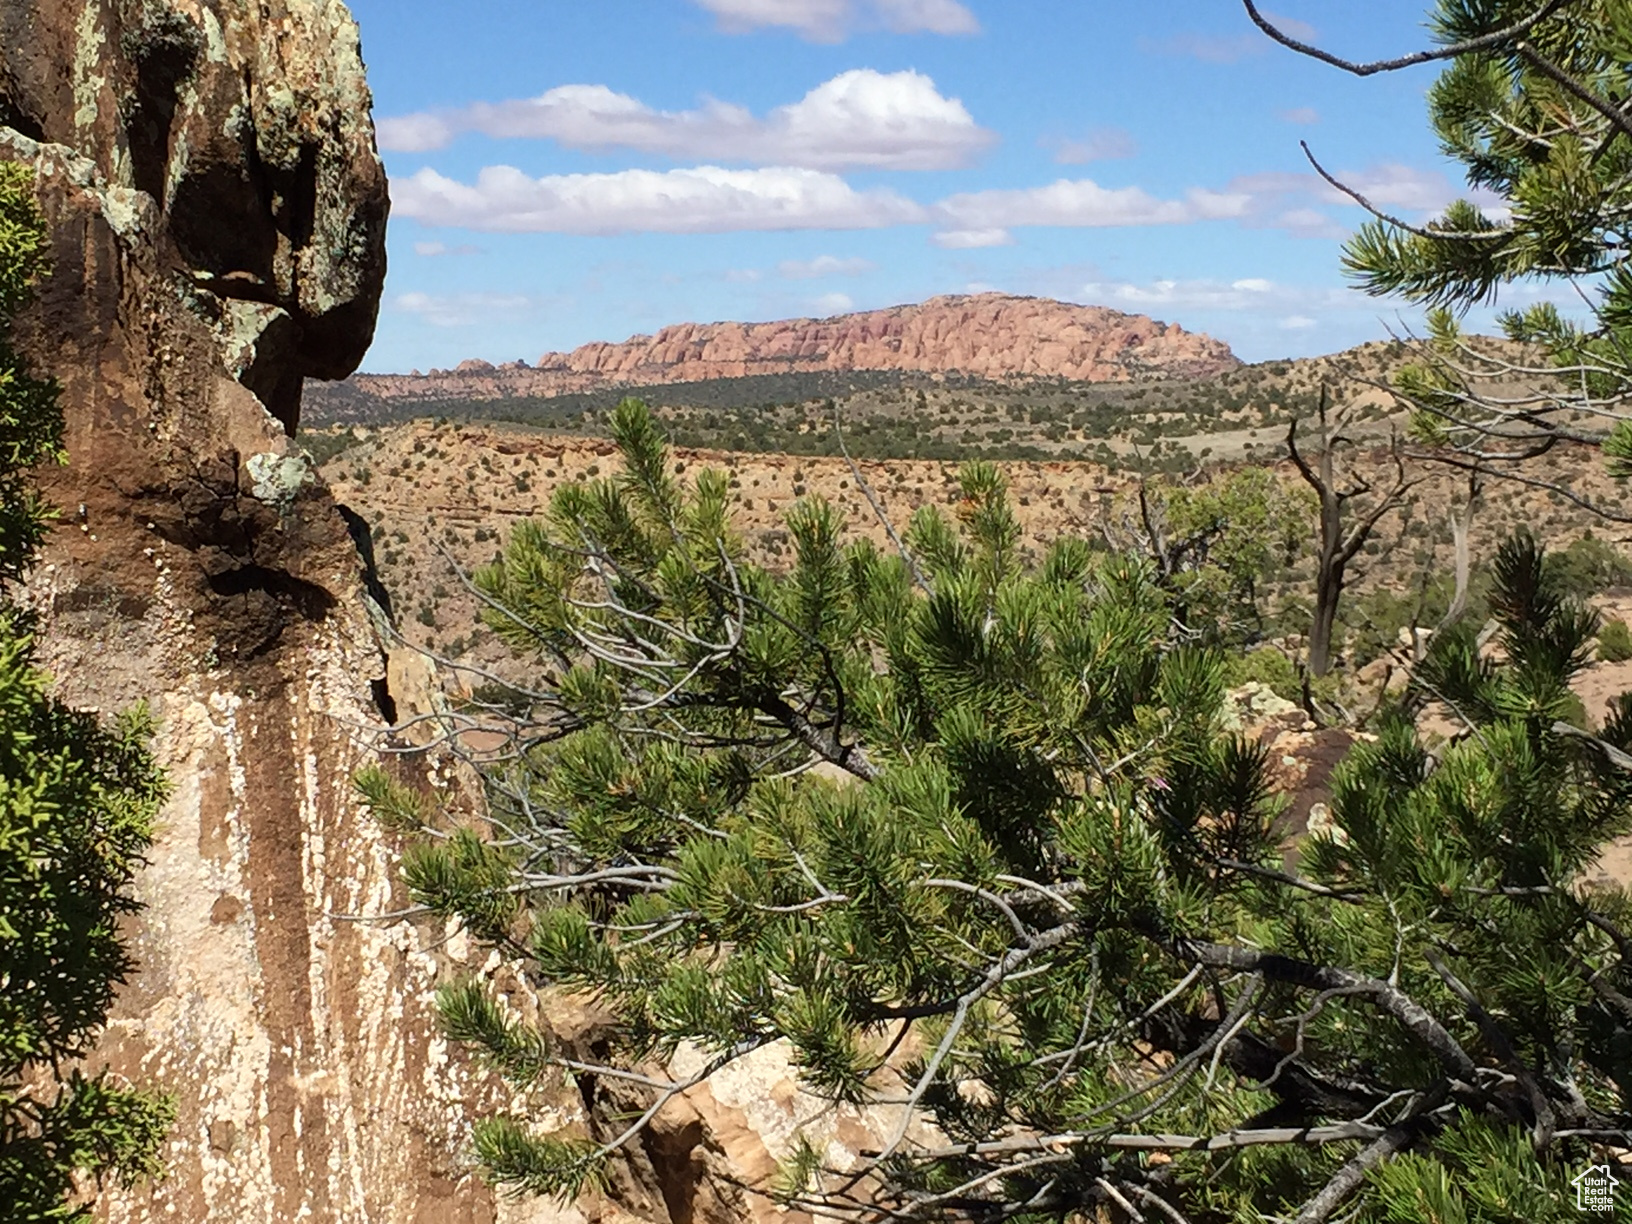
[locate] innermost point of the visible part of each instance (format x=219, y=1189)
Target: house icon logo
x=1595, y=1188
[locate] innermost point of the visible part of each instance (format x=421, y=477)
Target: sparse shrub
x=1615, y=642
x=1590, y=565
x=1267, y=666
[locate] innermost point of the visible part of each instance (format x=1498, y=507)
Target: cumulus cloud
x=834, y=20
x=834, y=303
x=1308, y=223
x=879, y=120
x=699, y=200
x=1255, y=295
x=1101, y=144
x=711, y=199
x=1296, y=202
x=967, y=240
x=460, y=309
x=1387, y=184
x=1083, y=202
x=823, y=265
x=715, y=199
x=1392, y=185
x=1301, y=115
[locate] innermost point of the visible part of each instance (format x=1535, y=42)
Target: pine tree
x=990, y=805
x=1532, y=103
x=77, y=802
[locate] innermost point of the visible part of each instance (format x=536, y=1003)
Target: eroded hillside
x=441, y=498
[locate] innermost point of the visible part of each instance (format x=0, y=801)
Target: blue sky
x=565, y=171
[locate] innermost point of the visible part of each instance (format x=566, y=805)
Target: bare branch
x=866, y=488
x=1338, y=185
x=1347, y=1179
x=1384, y=996
x=1484, y=42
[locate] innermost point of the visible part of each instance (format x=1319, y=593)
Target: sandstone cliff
x=217, y=212
x=988, y=335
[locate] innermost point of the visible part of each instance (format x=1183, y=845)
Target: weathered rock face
x=988, y=335
x=216, y=210
x=248, y=127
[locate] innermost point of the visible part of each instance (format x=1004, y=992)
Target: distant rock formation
x=987, y=335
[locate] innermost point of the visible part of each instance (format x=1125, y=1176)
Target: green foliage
x=1266, y=665
x=1031, y=847
x=1220, y=545
x=1591, y=565
x=77, y=803
x=1615, y=642
x=30, y=425
x=1533, y=120
x=1371, y=623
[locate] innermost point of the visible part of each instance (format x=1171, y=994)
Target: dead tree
x=1343, y=530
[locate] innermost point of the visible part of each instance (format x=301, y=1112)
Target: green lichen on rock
x=277, y=479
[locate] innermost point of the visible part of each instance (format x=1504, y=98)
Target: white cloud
x=1299, y=322
x=714, y=199
x=460, y=309
x=966, y=240
x=1298, y=202
x=886, y=121
x=743, y=276
x=1208, y=48
x=1083, y=202
x=702, y=199
x=1308, y=223
x=1229, y=48
x=823, y=265
x=1100, y=144
x=1393, y=185
x=1301, y=115
x=416, y=133
x=1387, y=184
x=1254, y=295
x=431, y=250
x=834, y=303
x=834, y=20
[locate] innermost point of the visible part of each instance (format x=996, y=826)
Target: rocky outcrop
x=988, y=335
x=216, y=214
x=245, y=127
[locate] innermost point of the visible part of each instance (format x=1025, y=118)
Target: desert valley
x=918, y=753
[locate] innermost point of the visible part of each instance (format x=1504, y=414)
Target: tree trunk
x=1328, y=588
x=1337, y=546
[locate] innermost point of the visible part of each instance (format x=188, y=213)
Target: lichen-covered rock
x=247, y=127
x=216, y=212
